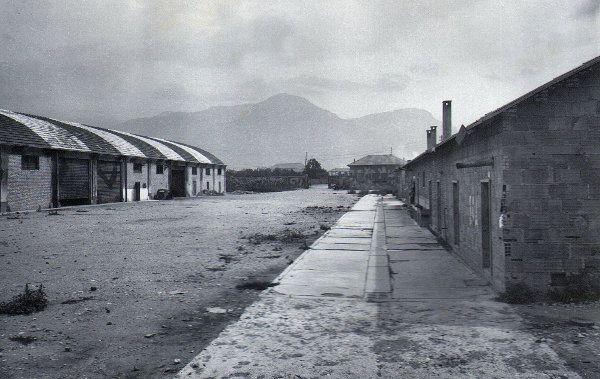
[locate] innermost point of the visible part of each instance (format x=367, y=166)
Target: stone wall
x=552, y=149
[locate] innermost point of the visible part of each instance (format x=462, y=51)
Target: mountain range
x=286, y=128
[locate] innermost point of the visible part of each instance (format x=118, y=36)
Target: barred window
x=207, y=171
x=137, y=167
x=160, y=169
x=194, y=170
x=219, y=171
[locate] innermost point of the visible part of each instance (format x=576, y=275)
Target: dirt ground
x=571, y=330
x=136, y=290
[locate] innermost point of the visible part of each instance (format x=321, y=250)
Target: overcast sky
x=94, y=61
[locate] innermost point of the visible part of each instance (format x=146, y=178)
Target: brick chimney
x=446, y=119
x=428, y=140
x=432, y=138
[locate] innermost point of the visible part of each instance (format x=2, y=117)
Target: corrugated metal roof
x=56, y=137
x=208, y=155
x=377, y=160
x=169, y=153
x=148, y=150
x=124, y=147
x=197, y=155
x=92, y=141
x=181, y=152
x=17, y=129
x=16, y=134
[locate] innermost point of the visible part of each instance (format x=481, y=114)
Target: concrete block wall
x=440, y=166
x=220, y=180
x=553, y=176
x=193, y=179
x=208, y=178
x=133, y=177
x=158, y=181
x=28, y=189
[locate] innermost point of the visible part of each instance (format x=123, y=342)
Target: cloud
x=589, y=9
x=142, y=57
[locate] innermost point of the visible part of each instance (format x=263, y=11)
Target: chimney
x=446, y=119
x=429, y=140
x=432, y=138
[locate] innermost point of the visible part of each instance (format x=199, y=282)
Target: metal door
x=178, y=182
x=486, y=246
x=456, y=213
x=109, y=182
x=74, y=181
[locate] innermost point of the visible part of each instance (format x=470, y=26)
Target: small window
x=160, y=169
x=207, y=185
x=207, y=171
x=137, y=167
x=194, y=170
x=30, y=162
x=220, y=171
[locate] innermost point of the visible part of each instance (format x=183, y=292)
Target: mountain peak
x=286, y=98
x=284, y=127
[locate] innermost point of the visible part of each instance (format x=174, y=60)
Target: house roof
x=528, y=95
x=289, y=166
x=19, y=129
x=340, y=169
x=377, y=160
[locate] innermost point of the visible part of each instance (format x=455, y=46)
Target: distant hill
x=283, y=128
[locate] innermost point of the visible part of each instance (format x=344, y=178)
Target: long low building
x=46, y=163
x=516, y=194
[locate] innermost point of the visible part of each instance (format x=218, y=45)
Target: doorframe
x=486, y=225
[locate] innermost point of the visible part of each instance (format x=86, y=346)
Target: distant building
x=516, y=194
x=45, y=163
x=340, y=178
x=296, y=167
x=376, y=172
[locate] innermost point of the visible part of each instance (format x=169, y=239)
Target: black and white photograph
x=299, y=189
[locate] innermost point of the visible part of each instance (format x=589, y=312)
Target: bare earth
x=136, y=290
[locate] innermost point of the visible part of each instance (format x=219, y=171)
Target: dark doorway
x=456, y=213
x=74, y=182
x=137, y=191
x=486, y=247
x=108, y=182
x=178, y=182
x=439, y=208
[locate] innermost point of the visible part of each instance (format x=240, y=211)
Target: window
x=220, y=171
x=194, y=170
x=207, y=185
x=30, y=162
x=423, y=181
x=160, y=169
x=137, y=167
x=207, y=171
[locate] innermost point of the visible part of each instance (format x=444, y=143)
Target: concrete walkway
x=376, y=297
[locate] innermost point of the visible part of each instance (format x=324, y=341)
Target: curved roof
x=19, y=129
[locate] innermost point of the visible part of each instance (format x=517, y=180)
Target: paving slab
x=432, y=317
x=340, y=232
